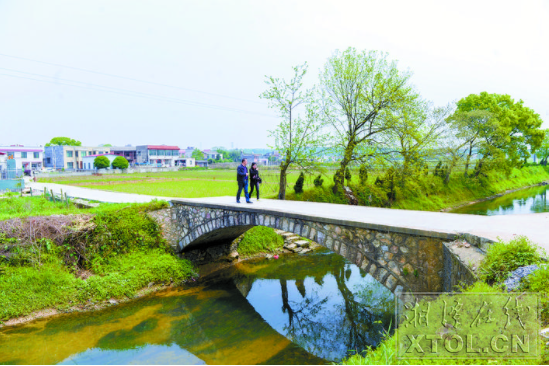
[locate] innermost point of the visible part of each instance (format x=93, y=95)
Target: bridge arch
x=400, y=260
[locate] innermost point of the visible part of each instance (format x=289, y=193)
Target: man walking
x=242, y=179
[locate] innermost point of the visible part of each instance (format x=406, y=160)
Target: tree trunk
x=282, y=183
x=468, y=161
x=340, y=173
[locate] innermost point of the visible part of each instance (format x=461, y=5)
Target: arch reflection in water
x=305, y=309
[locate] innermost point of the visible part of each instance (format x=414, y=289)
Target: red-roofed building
x=157, y=155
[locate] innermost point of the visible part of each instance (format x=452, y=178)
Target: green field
x=182, y=184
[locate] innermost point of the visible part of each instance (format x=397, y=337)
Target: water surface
x=299, y=309
x=525, y=201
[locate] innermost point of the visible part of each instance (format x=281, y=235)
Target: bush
x=101, y=162
x=502, y=258
x=298, y=187
x=438, y=170
x=318, y=181
x=260, y=239
x=363, y=175
x=120, y=162
x=348, y=175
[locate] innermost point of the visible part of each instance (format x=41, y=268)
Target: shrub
x=260, y=239
x=502, y=258
x=318, y=181
x=363, y=175
x=298, y=187
x=101, y=162
x=438, y=170
x=120, y=162
x=348, y=175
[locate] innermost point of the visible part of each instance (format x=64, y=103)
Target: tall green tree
x=480, y=133
x=298, y=136
x=360, y=90
x=518, y=126
x=416, y=130
x=63, y=141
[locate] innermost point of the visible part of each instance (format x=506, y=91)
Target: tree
x=297, y=138
x=63, y=141
x=348, y=175
x=360, y=90
x=119, y=162
x=480, y=132
x=298, y=187
x=516, y=126
x=101, y=162
x=197, y=154
x=318, y=181
x=543, y=151
x=105, y=145
x=414, y=136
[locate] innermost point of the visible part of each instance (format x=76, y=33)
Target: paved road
x=534, y=226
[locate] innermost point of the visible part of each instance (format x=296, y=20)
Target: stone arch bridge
x=402, y=258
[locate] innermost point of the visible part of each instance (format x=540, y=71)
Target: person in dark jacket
x=254, y=179
x=242, y=179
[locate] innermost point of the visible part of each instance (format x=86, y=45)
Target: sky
x=189, y=73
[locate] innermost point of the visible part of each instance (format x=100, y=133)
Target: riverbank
x=429, y=193
x=502, y=258
x=73, y=261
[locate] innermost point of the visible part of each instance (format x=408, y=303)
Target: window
x=76, y=153
x=11, y=154
x=70, y=165
x=23, y=154
x=37, y=155
x=69, y=154
x=48, y=160
x=83, y=153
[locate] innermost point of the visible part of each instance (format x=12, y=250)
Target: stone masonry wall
x=401, y=262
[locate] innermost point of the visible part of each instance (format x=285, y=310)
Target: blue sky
x=211, y=58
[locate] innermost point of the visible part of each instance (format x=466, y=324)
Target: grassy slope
x=125, y=253
x=429, y=193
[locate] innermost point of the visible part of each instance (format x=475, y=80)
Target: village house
x=26, y=157
x=70, y=157
x=157, y=155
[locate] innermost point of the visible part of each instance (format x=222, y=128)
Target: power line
x=129, y=92
x=133, y=79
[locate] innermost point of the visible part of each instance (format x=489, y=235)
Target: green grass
x=504, y=257
x=183, y=189
x=260, y=239
x=180, y=184
x=429, y=193
x=16, y=206
x=124, y=252
x=26, y=289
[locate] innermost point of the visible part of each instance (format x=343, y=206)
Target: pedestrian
x=255, y=180
x=242, y=179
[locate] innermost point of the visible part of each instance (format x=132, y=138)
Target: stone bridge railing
x=399, y=258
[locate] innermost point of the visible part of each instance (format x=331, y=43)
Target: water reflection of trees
x=355, y=322
x=523, y=201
